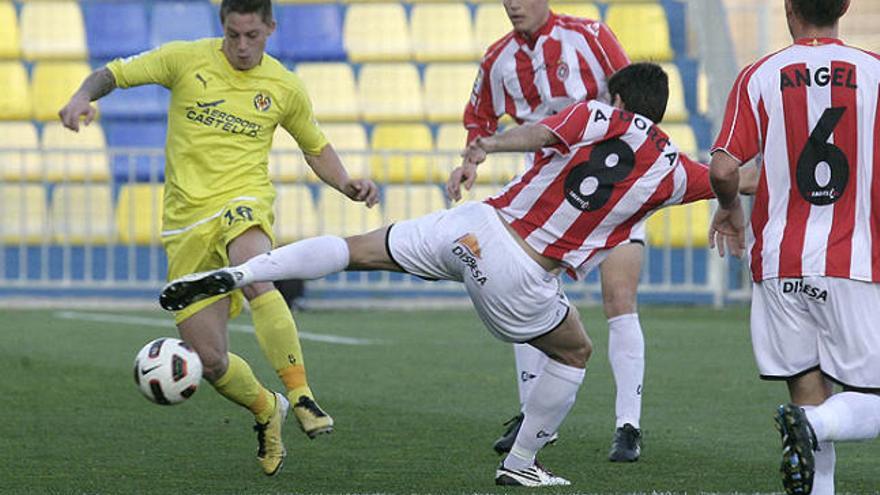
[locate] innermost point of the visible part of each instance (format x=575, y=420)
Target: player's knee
x=619, y=299
x=214, y=364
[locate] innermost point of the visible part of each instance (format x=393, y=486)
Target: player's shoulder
x=198, y=47
x=582, y=24
x=495, y=48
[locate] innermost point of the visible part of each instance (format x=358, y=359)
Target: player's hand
x=463, y=175
x=727, y=231
x=78, y=109
x=363, y=190
x=475, y=153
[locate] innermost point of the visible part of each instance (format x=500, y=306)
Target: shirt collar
x=543, y=31
x=818, y=41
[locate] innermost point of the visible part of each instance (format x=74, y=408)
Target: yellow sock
x=279, y=340
x=240, y=385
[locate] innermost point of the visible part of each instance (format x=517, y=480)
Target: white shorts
x=515, y=297
x=825, y=323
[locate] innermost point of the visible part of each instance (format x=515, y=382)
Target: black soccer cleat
x=194, y=287
x=505, y=441
x=627, y=444
x=798, y=443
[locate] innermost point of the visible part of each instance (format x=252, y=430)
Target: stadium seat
x=75, y=156
x=25, y=219
x=332, y=90
x=400, y=154
x=15, y=99
x=451, y=138
x=82, y=214
x=52, y=30
x=295, y=214
x=683, y=137
x=442, y=32
x=139, y=213
x=136, y=150
x=390, y=92
x=642, y=29
x=341, y=216
x=402, y=202
x=310, y=32
x=182, y=21
x=498, y=169
x=350, y=141
x=377, y=32
x=447, y=90
x=577, y=9
x=19, y=152
x=676, y=109
x=10, y=37
x=52, y=84
x=680, y=226
x=490, y=24
x=116, y=29
x=147, y=102
x=480, y=192
x=286, y=162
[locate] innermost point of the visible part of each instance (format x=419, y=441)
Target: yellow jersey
x=220, y=124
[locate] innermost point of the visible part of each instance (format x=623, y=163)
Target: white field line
x=168, y=323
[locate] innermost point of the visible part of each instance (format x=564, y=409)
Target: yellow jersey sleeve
x=160, y=65
x=299, y=119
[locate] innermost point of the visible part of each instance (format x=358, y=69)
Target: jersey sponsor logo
x=209, y=115
x=467, y=250
x=262, y=102
x=209, y=104
x=817, y=294
x=793, y=77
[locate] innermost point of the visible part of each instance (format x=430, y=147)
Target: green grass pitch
x=417, y=409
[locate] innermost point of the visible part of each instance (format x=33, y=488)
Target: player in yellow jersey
x=227, y=97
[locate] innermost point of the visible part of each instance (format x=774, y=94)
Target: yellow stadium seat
x=400, y=154
x=680, y=226
x=341, y=216
x=683, y=137
x=479, y=192
x=642, y=30
x=390, y=92
x=442, y=32
x=286, y=162
x=139, y=213
x=332, y=90
x=676, y=109
x=52, y=85
x=490, y=24
x=25, y=218
x=82, y=214
x=577, y=9
x=295, y=214
x=451, y=137
x=75, y=156
x=377, y=32
x=19, y=152
x=447, y=89
x=498, y=169
x=402, y=202
x=350, y=141
x=53, y=30
x=10, y=44
x=15, y=98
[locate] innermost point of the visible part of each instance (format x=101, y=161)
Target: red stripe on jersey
x=505, y=199
x=794, y=105
x=623, y=231
x=552, y=64
x=763, y=121
x=510, y=108
x=587, y=78
x=875, y=194
x=846, y=135
x=549, y=201
x=760, y=217
x=525, y=73
x=596, y=48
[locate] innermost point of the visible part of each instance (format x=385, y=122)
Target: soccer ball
x=167, y=371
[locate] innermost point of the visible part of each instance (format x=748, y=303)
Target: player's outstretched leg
x=182, y=292
x=798, y=443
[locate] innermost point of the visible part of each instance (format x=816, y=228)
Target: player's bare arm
x=328, y=166
x=748, y=180
x=98, y=84
x=728, y=225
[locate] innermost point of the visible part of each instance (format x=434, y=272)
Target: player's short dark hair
x=819, y=13
x=262, y=7
x=644, y=89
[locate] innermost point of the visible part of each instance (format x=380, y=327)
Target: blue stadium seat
x=136, y=150
x=310, y=32
x=116, y=29
x=147, y=102
x=183, y=21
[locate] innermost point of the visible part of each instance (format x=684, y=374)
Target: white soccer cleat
x=533, y=476
x=194, y=287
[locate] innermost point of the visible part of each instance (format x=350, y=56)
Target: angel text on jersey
x=467, y=250
x=798, y=76
x=798, y=286
x=208, y=114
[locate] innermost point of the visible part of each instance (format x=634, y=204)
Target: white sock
x=846, y=416
x=529, y=364
x=546, y=407
x=626, y=352
x=823, y=479
x=303, y=260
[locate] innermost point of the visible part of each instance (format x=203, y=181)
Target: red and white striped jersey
x=586, y=194
x=811, y=111
x=569, y=60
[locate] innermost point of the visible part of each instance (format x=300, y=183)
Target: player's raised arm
x=329, y=168
x=98, y=84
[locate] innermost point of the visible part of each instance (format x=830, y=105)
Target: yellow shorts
x=202, y=246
